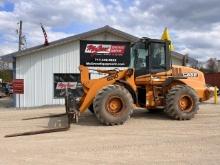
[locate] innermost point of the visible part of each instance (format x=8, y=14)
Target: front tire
x=113, y=105
x=181, y=103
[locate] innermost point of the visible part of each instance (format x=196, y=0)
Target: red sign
x=105, y=49
x=18, y=86
x=64, y=85
x=105, y=53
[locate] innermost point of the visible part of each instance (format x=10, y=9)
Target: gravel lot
x=145, y=139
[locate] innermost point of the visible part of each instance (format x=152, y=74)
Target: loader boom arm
x=92, y=87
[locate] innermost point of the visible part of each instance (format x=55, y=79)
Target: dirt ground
x=6, y=102
x=145, y=139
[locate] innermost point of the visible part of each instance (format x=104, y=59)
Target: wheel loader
x=150, y=82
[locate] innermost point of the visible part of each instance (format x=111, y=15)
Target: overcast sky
x=194, y=25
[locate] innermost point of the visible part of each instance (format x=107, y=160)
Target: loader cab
x=150, y=56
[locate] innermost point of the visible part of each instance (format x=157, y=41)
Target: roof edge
x=79, y=36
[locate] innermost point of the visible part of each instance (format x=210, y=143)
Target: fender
x=170, y=80
x=130, y=89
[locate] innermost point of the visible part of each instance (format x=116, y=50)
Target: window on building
x=63, y=80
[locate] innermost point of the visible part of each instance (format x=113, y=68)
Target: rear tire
x=181, y=103
x=113, y=105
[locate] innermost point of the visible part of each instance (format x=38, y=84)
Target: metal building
x=41, y=65
x=38, y=65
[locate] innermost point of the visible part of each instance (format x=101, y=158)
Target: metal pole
x=20, y=36
x=19, y=49
x=19, y=101
x=215, y=95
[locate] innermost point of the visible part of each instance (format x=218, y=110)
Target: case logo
x=190, y=74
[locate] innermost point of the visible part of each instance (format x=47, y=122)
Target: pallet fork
x=72, y=113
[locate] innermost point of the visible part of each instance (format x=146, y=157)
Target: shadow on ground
x=157, y=114
x=59, y=122
x=89, y=119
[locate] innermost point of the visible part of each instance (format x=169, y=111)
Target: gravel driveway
x=145, y=139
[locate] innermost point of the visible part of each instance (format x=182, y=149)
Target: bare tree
x=212, y=65
x=5, y=73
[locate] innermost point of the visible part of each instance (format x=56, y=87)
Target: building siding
x=37, y=70
x=176, y=61
x=106, y=37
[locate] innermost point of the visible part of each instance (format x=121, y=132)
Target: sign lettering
x=104, y=53
x=190, y=74
x=18, y=86
x=64, y=85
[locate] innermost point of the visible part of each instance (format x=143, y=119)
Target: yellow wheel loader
x=150, y=82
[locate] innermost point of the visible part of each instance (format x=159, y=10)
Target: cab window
x=139, y=57
x=158, y=56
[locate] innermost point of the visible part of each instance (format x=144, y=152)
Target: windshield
x=139, y=55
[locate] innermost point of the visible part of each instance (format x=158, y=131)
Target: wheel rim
x=114, y=105
x=186, y=103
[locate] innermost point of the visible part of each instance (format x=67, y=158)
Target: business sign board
x=104, y=53
x=66, y=85
x=18, y=86
x=63, y=81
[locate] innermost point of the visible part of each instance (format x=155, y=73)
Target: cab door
x=140, y=59
x=159, y=57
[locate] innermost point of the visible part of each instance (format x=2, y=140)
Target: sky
x=194, y=26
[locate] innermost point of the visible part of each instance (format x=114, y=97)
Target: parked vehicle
x=10, y=89
x=2, y=93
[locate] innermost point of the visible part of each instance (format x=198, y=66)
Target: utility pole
x=19, y=49
x=20, y=36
